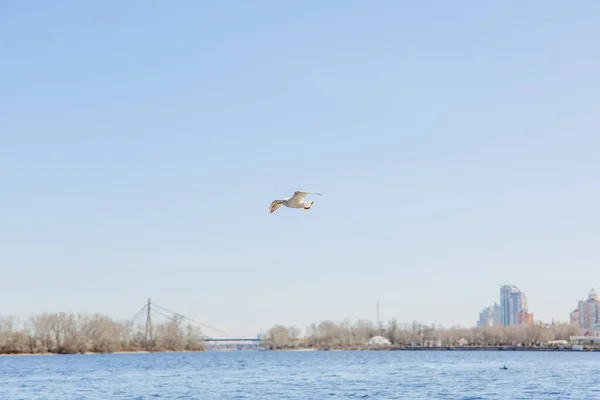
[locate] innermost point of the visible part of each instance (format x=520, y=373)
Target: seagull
x=296, y=201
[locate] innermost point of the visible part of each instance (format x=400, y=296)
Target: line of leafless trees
x=355, y=335
x=65, y=333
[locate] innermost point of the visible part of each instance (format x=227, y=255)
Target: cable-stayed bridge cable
x=196, y=322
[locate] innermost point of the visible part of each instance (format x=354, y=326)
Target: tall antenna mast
x=378, y=313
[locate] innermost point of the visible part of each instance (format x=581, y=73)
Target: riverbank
x=92, y=353
x=464, y=348
x=310, y=349
x=492, y=348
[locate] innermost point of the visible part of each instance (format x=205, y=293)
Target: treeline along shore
x=66, y=333
x=358, y=335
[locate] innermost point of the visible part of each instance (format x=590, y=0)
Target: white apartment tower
x=512, y=302
x=490, y=316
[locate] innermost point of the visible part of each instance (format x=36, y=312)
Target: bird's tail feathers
x=309, y=205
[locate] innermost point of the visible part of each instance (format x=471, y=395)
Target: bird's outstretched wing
x=274, y=206
x=299, y=196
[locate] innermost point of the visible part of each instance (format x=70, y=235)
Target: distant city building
x=485, y=318
x=591, y=336
x=523, y=317
x=587, y=313
x=512, y=310
x=513, y=302
x=575, y=317
x=489, y=316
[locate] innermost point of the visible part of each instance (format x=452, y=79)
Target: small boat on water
x=577, y=347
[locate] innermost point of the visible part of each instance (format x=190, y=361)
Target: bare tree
x=294, y=332
x=393, y=332
x=362, y=331
x=172, y=336
x=40, y=328
x=564, y=331
x=193, y=338
x=279, y=336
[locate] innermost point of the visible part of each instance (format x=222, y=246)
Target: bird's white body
x=296, y=201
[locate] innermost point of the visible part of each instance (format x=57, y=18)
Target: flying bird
x=296, y=201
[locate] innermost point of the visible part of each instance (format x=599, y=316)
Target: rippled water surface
x=303, y=375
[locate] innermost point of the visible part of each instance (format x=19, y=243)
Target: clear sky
x=456, y=144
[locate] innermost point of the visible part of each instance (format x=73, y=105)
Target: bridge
x=152, y=312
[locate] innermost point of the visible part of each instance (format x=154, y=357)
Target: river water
x=304, y=375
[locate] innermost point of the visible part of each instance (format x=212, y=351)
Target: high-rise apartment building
x=496, y=315
x=575, y=317
x=513, y=303
x=587, y=312
x=489, y=316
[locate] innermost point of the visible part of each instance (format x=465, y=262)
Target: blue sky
x=456, y=145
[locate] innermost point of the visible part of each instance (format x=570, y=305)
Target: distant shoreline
x=92, y=353
x=491, y=348
x=465, y=348
x=310, y=349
